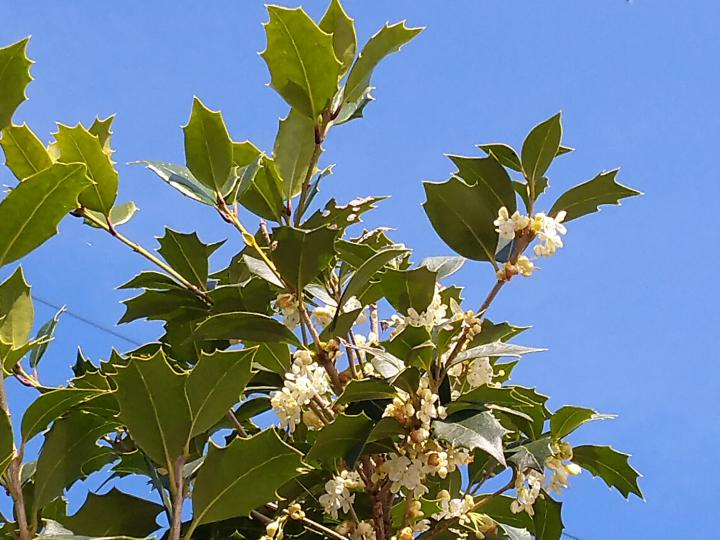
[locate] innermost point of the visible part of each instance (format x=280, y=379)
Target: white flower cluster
x=527, y=489
x=453, y=508
x=528, y=483
x=434, y=315
x=325, y=314
x=337, y=494
x=305, y=380
x=480, y=372
x=288, y=304
x=364, y=530
x=420, y=456
x=561, y=471
x=547, y=229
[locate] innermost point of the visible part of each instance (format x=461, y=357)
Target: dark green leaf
x=342, y=439
x=78, y=145
x=568, y=418
x=406, y=289
x=150, y=280
x=547, y=518
x=14, y=78
x=360, y=280
x=243, y=476
x=301, y=60
x=70, y=443
x=29, y=215
x=610, y=465
x=462, y=212
x=245, y=326
x=480, y=430
x=114, y=513
x=337, y=22
x=274, y=357
x=540, y=148
x=50, y=406
x=505, y=154
x=187, y=254
x=262, y=193
x=208, y=147
x=25, y=154
x=341, y=216
x=215, y=384
x=300, y=256
x=388, y=40
x=531, y=455
x=154, y=407
x=367, y=389
x=586, y=198
x=166, y=305
x=294, y=150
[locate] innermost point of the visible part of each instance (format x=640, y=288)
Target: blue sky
x=627, y=308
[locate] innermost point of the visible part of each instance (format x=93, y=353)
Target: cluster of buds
x=561, y=471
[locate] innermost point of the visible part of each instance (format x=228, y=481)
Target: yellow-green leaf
x=78, y=145
x=14, y=78
x=29, y=215
x=388, y=40
x=337, y=22
x=303, y=67
x=208, y=147
x=293, y=152
x=7, y=448
x=25, y=154
x=16, y=310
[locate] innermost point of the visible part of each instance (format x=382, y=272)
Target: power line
x=87, y=321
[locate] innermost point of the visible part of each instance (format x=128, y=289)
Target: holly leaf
x=462, y=210
x=187, y=254
x=443, y=266
x=506, y=155
x=481, y=430
x=154, y=407
x=495, y=349
x=366, y=390
x=337, y=22
x=388, y=40
x=303, y=67
x=294, y=150
x=114, y=513
x=610, y=465
x=29, y=215
x=50, y=406
x=14, y=79
x=102, y=129
x=180, y=177
x=406, y=289
x=587, y=197
x=362, y=278
x=262, y=193
x=70, y=443
x=25, y=154
x=208, y=147
x=215, y=384
x=540, y=148
x=78, y=145
x=547, y=518
x=568, y=418
x=300, y=255
x=245, y=326
x=16, y=310
x=341, y=439
x=227, y=484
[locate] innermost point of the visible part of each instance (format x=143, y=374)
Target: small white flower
x=527, y=489
x=479, y=372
